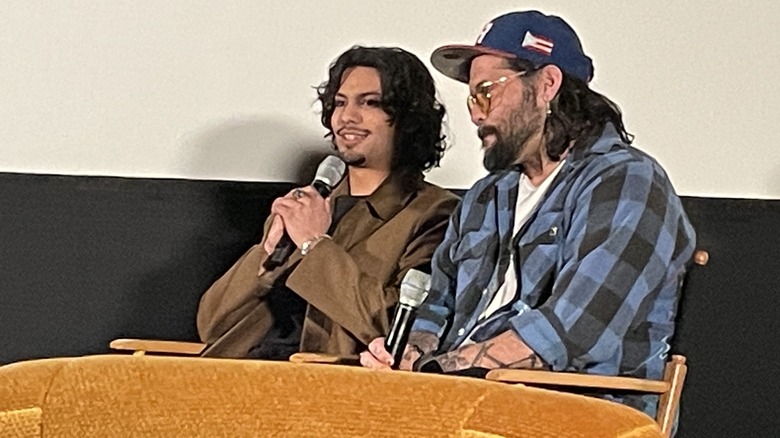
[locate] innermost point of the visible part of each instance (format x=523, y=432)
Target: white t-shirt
x=528, y=197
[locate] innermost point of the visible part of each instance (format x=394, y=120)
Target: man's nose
x=351, y=113
x=477, y=115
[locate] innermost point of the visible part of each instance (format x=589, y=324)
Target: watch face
x=309, y=244
x=306, y=246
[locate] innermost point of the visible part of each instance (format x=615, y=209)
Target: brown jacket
x=351, y=283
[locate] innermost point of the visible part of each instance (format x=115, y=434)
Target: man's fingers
x=274, y=234
x=367, y=360
x=296, y=193
x=302, y=192
x=309, y=191
x=282, y=206
x=297, y=198
x=377, y=348
x=410, y=357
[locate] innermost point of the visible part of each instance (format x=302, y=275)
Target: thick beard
x=522, y=124
x=502, y=153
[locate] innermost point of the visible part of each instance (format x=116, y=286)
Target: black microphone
x=414, y=290
x=329, y=173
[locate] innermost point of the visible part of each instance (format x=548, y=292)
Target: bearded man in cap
x=570, y=254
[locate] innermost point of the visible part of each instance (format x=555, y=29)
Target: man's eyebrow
x=479, y=83
x=362, y=95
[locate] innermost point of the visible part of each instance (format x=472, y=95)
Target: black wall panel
x=84, y=260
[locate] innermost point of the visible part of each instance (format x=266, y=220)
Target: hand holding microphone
x=303, y=214
x=393, y=351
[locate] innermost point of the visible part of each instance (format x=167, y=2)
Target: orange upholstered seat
x=147, y=396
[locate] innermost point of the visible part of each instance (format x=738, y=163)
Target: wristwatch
x=307, y=245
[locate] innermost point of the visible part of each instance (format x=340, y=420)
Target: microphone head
x=414, y=288
x=330, y=171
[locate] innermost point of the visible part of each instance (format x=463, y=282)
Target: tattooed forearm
x=453, y=361
x=489, y=356
x=476, y=355
x=532, y=361
x=484, y=359
x=503, y=351
x=419, y=344
x=425, y=341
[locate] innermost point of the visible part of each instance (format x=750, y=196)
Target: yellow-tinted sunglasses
x=482, y=94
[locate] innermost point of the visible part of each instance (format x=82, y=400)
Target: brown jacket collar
x=390, y=197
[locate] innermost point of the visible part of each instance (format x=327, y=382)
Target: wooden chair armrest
x=539, y=377
x=304, y=357
x=141, y=346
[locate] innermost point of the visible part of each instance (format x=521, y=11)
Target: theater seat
x=152, y=396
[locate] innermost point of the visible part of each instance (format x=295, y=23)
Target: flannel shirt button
x=461, y=331
x=484, y=291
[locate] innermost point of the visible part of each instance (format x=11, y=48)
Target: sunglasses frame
x=484, y=89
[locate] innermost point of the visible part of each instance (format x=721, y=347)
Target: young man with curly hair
x=382, y=115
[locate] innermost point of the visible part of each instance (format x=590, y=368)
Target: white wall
x=222, y=89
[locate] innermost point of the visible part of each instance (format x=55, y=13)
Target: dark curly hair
x=408, y=97
x=576, y=113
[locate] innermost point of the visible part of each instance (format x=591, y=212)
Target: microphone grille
x=414, y=288
x=330, y=171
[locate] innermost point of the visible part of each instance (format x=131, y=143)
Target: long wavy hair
x=408, y=98
x=577, y=114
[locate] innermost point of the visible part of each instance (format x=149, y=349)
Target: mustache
x=485, y=130
x=352, y=130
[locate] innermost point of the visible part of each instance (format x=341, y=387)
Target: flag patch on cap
x=537, y=44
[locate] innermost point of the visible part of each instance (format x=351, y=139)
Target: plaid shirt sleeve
x=623, y=256
x=436, y=311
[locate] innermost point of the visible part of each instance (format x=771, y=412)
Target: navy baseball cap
x=531, y=36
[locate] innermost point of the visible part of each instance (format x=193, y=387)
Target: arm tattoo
x=494, y=355
x=452, y=361
x=532, y=361
x=486, y=357
x=419, y=344
x=425, y=341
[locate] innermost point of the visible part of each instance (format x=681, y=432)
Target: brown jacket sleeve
x=336, y=282
x=237, y=292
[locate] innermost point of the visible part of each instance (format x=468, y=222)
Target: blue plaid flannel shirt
x=599, y=266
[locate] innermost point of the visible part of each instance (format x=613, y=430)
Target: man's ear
x=550, y=80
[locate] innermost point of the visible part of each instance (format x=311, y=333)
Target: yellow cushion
x=20, y=423
x=149, y=396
